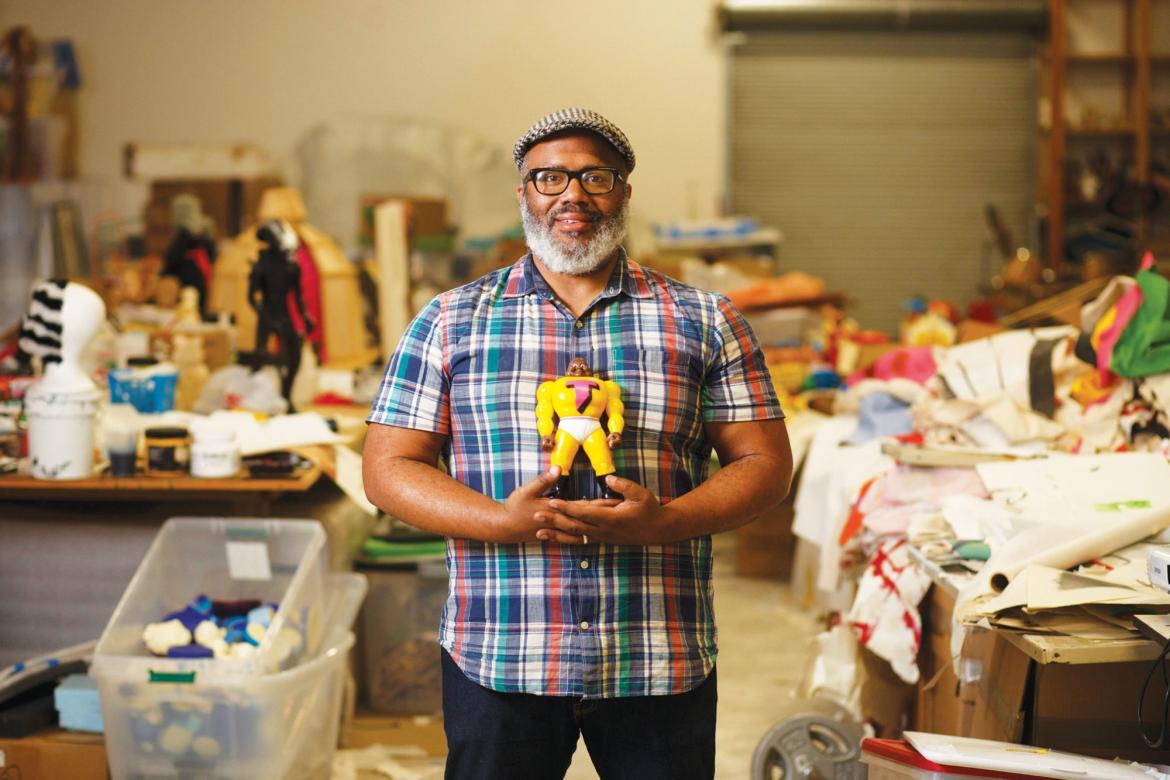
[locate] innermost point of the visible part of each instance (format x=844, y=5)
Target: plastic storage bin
x=894, y=759
x=281, y=561
x=400, y=637
x=280, y=725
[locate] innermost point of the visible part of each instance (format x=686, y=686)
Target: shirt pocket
x=662, y=392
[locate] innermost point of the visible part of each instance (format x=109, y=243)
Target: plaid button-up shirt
x=596, y=620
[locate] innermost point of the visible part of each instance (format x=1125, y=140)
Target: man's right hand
x=518, y=521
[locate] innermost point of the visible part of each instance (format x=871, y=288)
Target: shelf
x=1118, y=58
x=1082, y=132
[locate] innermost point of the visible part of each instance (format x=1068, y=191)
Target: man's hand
x=613, y=440
x=638, y=519
x=524, y=508
x=546, y=443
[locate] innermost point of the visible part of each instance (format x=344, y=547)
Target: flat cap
x=574, y=119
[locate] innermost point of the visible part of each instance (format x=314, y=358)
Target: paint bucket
x=60, y=432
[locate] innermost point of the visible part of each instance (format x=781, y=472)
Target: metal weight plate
x=812, y=744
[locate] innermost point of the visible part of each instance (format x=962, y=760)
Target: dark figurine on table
x=191, y=254
x=274, y=287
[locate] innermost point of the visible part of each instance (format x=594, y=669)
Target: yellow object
x=789, y=375
x=578, y=401
x=929, y=330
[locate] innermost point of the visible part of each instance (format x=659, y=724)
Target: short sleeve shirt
x=597, y=620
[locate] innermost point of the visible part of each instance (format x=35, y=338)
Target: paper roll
x=1062, y=546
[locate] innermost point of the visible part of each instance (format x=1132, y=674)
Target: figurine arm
x=614, y=411
x=254, y=286
x=544, y=413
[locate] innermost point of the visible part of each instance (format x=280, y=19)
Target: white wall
x=267, y=71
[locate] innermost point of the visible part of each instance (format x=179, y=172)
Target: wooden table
x=248, y=495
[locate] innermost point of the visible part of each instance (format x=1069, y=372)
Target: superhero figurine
x=274, y=287
x=578, y=401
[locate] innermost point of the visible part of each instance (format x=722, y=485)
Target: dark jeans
x=516, y=736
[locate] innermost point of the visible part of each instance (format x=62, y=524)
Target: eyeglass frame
x=617, y=176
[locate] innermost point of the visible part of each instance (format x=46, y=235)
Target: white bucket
x=60, y=432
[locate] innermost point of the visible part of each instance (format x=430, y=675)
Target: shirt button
x=579, y=325
x=584, y=624
x=584, y=564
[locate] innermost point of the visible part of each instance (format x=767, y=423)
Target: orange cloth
x=787, y=288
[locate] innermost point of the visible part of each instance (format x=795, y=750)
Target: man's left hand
x=638, y=519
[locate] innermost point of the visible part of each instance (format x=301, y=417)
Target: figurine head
x=187, y=212
x=277, y=236
x=578, y=367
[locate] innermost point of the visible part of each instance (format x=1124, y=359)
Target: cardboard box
x=886, y=701
x=940, y=706
x=1092, y=709
x=1003, y=689
x=54, y=755
x=422, y=731
x=765, y=547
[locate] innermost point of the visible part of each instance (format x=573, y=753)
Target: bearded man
x=589, y=617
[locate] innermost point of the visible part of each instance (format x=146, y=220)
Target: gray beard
x=575, y=259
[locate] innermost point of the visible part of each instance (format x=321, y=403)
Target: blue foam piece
x=190, y=651
x=261, y=616
x=189, y=617
x=78, y=705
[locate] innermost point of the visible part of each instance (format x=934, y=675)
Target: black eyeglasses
x=554, y=181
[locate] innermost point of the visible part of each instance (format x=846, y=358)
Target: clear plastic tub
x=400, y=637
x=280, y=725
x=279, y=561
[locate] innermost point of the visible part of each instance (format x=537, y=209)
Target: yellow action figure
x=578, y=401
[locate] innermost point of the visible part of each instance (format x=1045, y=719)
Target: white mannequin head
x=82, y=313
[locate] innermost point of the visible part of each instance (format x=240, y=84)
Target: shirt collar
x=628, y=277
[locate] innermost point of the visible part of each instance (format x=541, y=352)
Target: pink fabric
x=1127, y=305
x=915, y=363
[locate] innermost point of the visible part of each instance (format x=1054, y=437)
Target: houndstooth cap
x=571, y=119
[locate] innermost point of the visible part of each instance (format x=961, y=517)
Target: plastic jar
x=214, y=454
x=166, y=451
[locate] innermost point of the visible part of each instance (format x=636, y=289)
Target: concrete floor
x=763, y=647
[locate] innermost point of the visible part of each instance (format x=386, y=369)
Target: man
x=593, y=616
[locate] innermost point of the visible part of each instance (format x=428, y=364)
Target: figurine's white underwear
x=578, y=427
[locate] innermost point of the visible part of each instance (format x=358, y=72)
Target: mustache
x=591, y=214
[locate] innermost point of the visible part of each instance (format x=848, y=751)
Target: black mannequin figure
x=273, y=287
x=191, y=254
